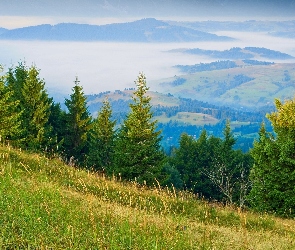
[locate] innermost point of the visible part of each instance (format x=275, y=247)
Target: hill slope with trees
x=207, y=165
x=239, y=84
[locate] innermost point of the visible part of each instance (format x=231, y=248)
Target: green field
x=156, y=98
x=46, y=204
x=187, y=118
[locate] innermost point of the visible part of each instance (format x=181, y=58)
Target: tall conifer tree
x=28, y=90
x=9, y=117
x=192, y=158
x=273, y=173
x=101, y=148
x=16, y=79
x=78, y=124
x=35, y=105
x=138, y=152
x=57, y=121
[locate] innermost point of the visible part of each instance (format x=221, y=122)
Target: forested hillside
x=146, y=125
x=274, y=28
x=239, y=53
x=207, y=165
x=238, y=84
x=176, y=115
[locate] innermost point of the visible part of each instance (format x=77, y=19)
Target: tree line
x=172, y=130
x=208, y=166
x=31, y=120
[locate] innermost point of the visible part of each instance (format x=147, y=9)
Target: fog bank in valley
x=104, y=66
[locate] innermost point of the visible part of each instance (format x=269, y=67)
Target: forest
x=208, y=165
x=240, y=53
x=245, y=133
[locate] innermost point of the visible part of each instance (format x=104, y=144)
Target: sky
x=110, y=66
x=20, y=13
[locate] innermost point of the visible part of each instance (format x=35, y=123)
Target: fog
x=104, y=66
x=100, y=66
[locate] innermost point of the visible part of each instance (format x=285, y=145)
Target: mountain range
x=238, y=53
x=144, y=30
x=250, y=26
x=148, y=30
x=2, y=30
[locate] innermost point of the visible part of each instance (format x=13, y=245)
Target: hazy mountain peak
x=144, y=30
x=151, y=22
x=2, y=30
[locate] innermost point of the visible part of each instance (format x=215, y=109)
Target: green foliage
x=9, y=118
x=273, y=174
x=32, y=101
x=191, y=159
x=138, y=152
x=16, y=79
x=35, y=104
x=78, y=125
x=211, y=167
x=101, y=145
x=56, y=121
x=174, y=178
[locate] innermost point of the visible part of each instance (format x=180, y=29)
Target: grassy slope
x=157, y=98
x=188, y=118
x=46, y=204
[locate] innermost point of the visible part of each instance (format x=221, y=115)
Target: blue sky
x=19, y=13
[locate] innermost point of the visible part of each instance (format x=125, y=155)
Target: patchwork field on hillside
x=248, y=86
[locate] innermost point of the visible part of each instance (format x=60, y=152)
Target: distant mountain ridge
x=238, y=53
x=2, y=30
x=272, y=27
x=144, y=30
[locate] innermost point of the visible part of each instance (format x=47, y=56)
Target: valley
x=147, y=124
x=217, y=71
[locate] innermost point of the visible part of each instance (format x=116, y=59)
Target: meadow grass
x=198, y=119
x=157, y=98
x=46, y=204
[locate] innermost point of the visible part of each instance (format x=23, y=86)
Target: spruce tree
x=56, y=122
x=36, y=109
x=273, y=173
x=192, y=158
x=211, y=167
x=138, y=154
x=28, y=90
x=184, y=159
x=16, y=79
x=9, y=117
x=101, y=148
x=78, y=124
